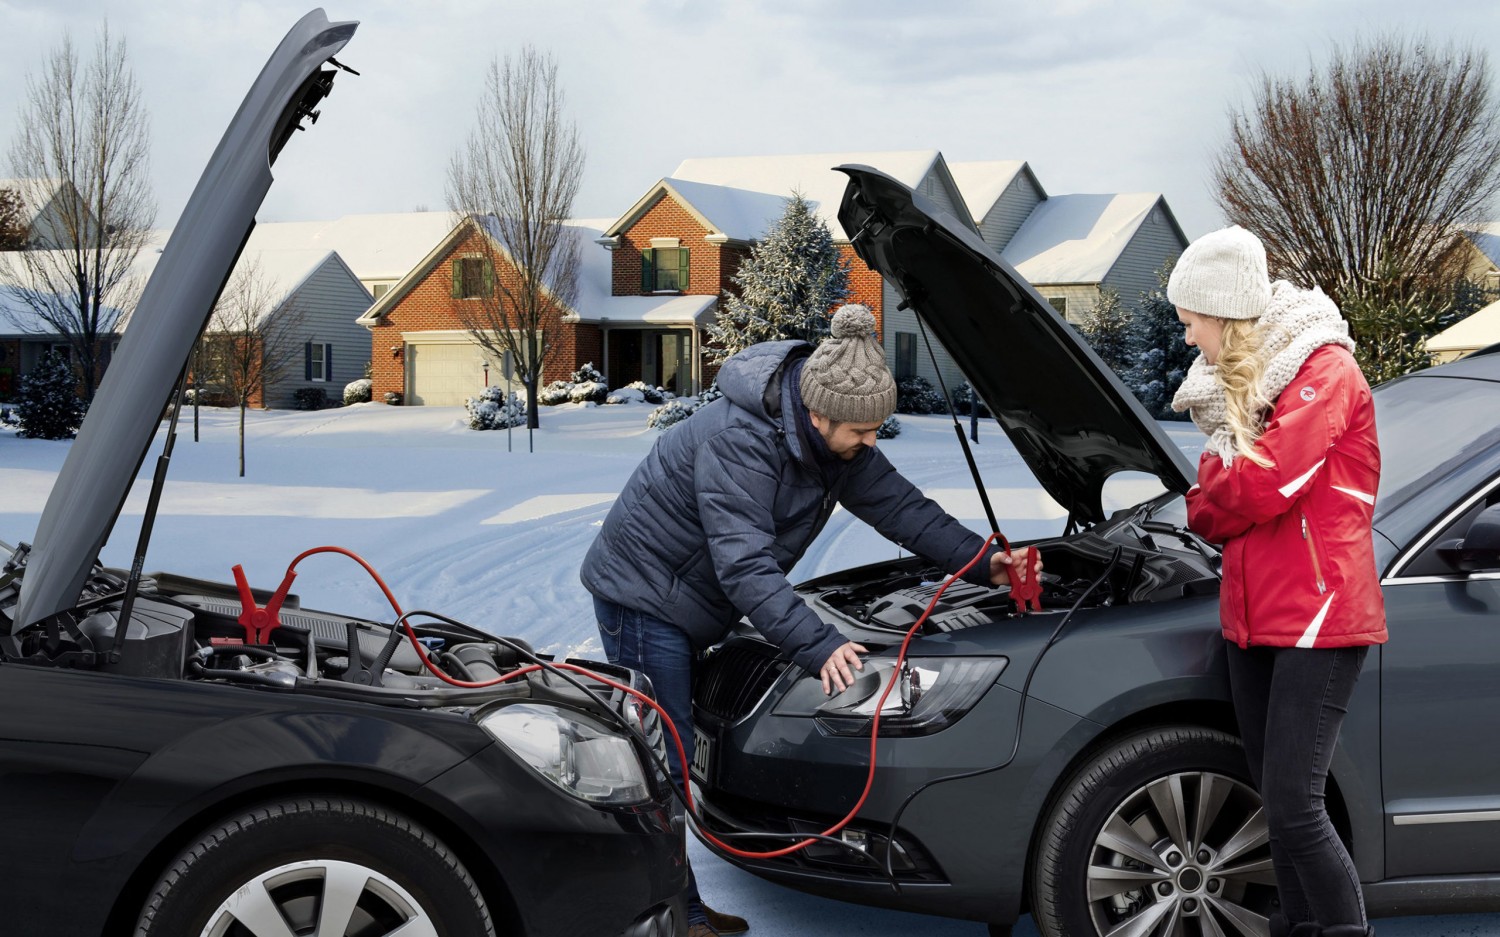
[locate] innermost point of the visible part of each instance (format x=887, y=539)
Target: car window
x=1427, y=427
x=1428, y=562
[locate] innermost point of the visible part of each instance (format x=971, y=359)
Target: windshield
x=1427, y=427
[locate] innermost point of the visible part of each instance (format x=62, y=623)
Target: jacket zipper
x=1312, y=551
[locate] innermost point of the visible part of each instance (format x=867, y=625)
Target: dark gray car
x=1082, y=763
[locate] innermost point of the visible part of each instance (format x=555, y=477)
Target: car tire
x=362, y=867
x=1161, y=827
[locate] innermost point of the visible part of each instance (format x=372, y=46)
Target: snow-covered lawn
x=454, y=522
x=459, y=525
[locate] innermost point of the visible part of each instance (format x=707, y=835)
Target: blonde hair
x=1239, y=370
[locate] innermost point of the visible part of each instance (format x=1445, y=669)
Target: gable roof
x=1078, y=238
x=1469, y=333
x=593, y=302
x=377, y=246
x=1486, y=240
x=739, y=196
x=983, y=182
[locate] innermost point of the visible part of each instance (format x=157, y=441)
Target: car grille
x=734, y=678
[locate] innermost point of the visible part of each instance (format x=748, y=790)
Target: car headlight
x=931, y=693
x=576, y=752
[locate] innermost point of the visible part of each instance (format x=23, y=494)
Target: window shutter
x=648, y=273
x=682, y=269
x=307, y=361
x=458, y=278
x=489, y=277
x=327, y=362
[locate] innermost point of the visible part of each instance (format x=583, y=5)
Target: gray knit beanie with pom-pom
x=846, y=379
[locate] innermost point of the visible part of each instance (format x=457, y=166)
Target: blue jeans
x=1290, y=702
x=662, y=652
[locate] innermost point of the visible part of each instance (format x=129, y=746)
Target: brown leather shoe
x=702, y=930
x=725, y=924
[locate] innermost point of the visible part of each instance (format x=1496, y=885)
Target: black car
x=1081, y=763
x=176, y=760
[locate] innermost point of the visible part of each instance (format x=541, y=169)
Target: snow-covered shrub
x=555, y=393
x=915, y=395
x=393, y=398
x=587, y=374
x=644, y=392
x=588, y=392
x=964, y=398
x=672, y=412
x=711, y=394
x=357, y=391
x=49, y=407
x=310, y=398
x=890, y=429
x=492, y=409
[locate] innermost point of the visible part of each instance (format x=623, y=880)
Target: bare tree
x=515, y=180
x=249, y=343
x=1362, y=173
x=12, y=221
x=81, y=149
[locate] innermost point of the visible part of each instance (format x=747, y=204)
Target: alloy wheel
x=320, y=898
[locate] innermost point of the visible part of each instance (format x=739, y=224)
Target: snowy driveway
x=459, y=525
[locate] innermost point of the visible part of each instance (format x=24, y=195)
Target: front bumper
x=963, y=839
x=544, y=849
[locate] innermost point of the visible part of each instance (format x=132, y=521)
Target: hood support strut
x=963, y=441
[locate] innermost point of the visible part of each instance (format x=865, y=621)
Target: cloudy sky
x=1097, y=96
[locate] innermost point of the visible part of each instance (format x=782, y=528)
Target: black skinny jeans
x=1290, y=702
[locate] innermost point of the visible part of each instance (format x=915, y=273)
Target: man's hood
x=1070, y=417
x=171, y=313
x=751, y=379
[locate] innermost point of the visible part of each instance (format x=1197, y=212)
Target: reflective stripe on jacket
x=1299, y=561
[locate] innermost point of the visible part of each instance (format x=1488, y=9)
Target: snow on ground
x=458, y=524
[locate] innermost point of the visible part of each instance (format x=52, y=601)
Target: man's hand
x=1001, y=565
x=835, y=670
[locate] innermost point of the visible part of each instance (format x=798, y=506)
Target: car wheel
x=1159, y=834
x=316, y=867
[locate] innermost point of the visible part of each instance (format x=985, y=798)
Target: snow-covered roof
x=740, y=195
x=18, y=318
x=1077, y=238
x=379, y=246
x=1469, y=333
x=595, y=304
x=982, y=183
x=1486, y=239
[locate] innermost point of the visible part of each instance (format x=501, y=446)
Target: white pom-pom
x=852, y=321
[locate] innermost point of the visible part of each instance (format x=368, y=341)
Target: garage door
x=445, y=374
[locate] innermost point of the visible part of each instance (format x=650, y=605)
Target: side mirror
x=1480, y=546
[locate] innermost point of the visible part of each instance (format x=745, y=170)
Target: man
x=726, y=502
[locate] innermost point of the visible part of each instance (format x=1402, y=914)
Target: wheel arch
x=132, y=896
x=1200, y=714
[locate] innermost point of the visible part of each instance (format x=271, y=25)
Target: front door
x=1440, y=713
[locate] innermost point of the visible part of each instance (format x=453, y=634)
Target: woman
x=1287, y=484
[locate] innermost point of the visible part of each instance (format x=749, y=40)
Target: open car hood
x=1069, y=416
x=173, y=309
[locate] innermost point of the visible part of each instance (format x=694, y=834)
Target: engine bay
x=190, y=629
x=1156, y=562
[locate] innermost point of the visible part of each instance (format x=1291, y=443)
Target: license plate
x=703, y=756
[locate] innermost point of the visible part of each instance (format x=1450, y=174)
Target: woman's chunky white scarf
x=1296, y=323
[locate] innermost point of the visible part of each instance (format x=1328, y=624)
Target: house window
x=664, y=269
x=318, y=356
x=473, y=277
x=379, y=290
x=906, y=355
x=1060, y=303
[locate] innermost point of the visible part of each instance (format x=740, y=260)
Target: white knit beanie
x=1222, y=274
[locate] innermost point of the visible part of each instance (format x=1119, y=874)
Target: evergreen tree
x=1107, y=328
x=49, y=406
x=792, y=277
x=1160, y=358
